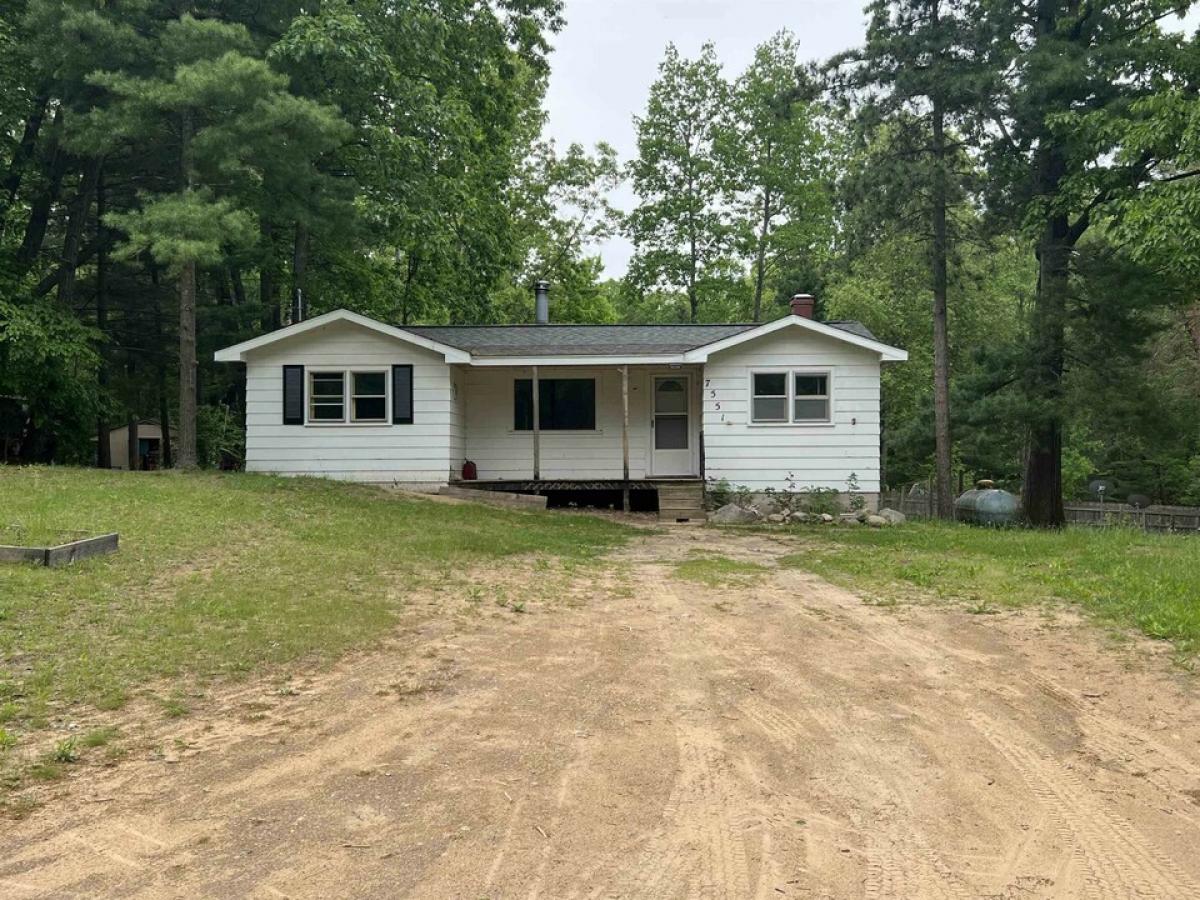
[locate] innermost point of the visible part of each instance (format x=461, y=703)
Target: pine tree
x=1079, y=76
x=231, y=123
x=919, y=68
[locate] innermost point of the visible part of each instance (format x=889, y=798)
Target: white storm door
x=670, y=426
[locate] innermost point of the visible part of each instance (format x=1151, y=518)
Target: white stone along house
x=787, y=404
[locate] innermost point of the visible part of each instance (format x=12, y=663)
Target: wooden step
x=681, y=501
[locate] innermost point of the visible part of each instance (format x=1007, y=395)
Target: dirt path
x=652, y=738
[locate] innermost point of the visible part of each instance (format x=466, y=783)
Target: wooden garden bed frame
x=61, y=554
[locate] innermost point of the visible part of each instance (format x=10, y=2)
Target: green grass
x=714, y=571
x=219, y=575
x=1148, y=581
x=98, y=737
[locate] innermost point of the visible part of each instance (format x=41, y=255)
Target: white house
x=792, y=403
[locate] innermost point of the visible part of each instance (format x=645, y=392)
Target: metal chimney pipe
x=541, y=294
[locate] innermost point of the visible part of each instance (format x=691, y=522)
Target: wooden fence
x=914, y=503
x=1152, y=518
x=918, y=502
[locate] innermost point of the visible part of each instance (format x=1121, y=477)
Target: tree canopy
x=1011, y=191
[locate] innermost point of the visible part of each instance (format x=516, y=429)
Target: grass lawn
x=220, y=574
x=1126, y=577
x=714, y=571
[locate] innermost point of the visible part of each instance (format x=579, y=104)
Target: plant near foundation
x=856, y=500
x=717, y=493
x=819, y=501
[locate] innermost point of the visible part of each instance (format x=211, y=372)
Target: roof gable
x=237, y=353
x=886, y=352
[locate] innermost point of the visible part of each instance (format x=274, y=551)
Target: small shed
x=149, y=444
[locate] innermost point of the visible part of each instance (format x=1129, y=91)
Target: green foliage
x=775, y=152
x=818, y=501
x=186, y=227
x=220, y=438
x=559, y=204
x=47, y=372
x=64, y=752
x=680, y=228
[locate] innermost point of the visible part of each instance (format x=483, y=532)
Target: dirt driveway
x=640, y=736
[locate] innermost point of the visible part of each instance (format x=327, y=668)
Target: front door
x=670, y=426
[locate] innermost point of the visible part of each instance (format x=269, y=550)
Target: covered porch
x=585, y=427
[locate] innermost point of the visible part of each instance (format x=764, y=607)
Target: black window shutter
x=402, y=395
x=293, y=395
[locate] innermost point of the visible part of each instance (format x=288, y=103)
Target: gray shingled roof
x=589, y=340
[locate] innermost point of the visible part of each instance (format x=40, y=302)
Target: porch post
x=625, y=436
x=537, y=429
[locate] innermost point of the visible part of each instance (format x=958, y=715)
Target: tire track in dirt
x=1122, y=741
x=1119, y=859
x=700, y=847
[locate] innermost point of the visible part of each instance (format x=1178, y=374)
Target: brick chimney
x=802, y=305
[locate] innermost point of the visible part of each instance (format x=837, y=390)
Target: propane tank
x=469, y=472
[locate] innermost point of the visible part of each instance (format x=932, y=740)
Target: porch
x=580, y=424
x=561, y=429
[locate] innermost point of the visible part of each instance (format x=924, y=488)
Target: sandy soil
x=639, y=736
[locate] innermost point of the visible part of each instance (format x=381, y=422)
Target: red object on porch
x=469, y=472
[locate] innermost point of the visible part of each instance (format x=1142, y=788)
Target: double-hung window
x=340, y=397
x=327, y=396
x=368, y=397
x=783, y=397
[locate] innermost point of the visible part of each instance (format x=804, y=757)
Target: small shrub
x=857, y=501
x=718, y=493
x=64, y=752
x=819, y=501
x=220, y=438
x=8, y=740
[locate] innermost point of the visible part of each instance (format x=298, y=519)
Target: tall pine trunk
x=78, y=212
x=186, y=458
x=164, y=411
x=268, y=289
x=1042, y=491
x=1042, y=496
x=943, y=449
x=103, y=450
x=22, y=156
x=39, y=213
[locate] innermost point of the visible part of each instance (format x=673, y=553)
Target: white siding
x=502, y=453
x=762, y=456
x=419, y=453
